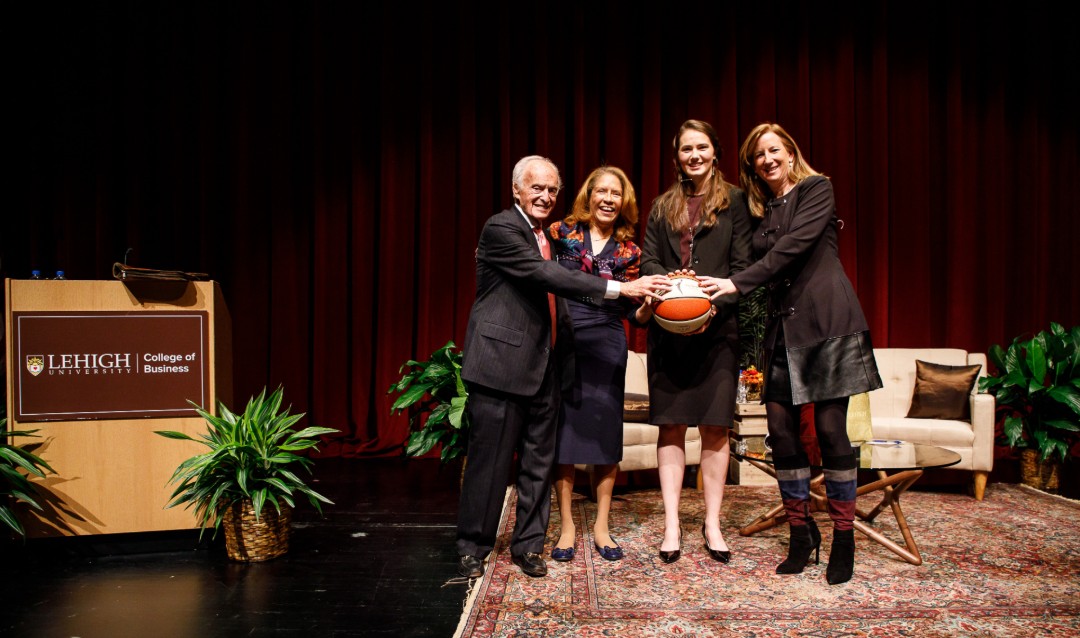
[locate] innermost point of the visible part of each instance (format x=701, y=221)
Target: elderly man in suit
x=512, y=367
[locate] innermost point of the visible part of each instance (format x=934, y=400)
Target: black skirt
x=692, y=379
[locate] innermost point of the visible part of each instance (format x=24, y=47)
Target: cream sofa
x=973, y=440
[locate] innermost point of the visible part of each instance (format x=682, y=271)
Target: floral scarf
x=569, y=242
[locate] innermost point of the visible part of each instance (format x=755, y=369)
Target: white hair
x=523, y=163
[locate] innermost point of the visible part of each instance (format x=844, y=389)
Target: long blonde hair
x=626, y=224
x=671, y=205
x=757, y=191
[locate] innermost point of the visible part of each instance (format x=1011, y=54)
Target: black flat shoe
x=470, y=566
x=563, y=555
x=609, y=553
x=717, y=555
x=532, y=564
x=673, y=555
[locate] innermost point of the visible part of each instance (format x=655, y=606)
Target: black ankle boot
x=841, y=557
x=805, y=539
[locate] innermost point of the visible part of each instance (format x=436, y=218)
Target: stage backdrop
x=331, y=163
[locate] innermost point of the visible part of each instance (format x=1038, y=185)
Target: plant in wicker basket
x=1037, y=389
x=246, y=479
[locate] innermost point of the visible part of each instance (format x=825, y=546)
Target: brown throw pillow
x=636, y=408
x=942, y=392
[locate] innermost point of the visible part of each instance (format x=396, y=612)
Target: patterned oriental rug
x=1006, y=566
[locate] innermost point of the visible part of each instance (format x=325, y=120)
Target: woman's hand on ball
x=723, y=287
x=645, y=311
x=704, y=326
x=708, y=285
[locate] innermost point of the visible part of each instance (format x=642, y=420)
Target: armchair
x=972, y=439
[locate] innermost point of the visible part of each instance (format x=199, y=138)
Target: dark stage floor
x=377, y=564
x=380, y=563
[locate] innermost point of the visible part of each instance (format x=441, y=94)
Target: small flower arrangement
x=750, y=384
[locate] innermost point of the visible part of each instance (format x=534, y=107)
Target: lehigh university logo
x=35, y=363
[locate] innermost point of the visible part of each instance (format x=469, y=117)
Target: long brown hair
x=626, y=223
x=757, y=191
x=671, y=205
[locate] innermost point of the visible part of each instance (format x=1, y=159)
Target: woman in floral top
x=595, y=238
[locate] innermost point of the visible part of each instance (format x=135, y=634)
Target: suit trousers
x=501, y=425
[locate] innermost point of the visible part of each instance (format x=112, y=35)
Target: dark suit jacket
x=508, y=340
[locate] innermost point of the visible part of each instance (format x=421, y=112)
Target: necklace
x=599, y=239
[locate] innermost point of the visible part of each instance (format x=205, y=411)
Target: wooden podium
x=112, y=471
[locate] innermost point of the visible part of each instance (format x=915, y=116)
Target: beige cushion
x=859, y=427
x=639, y=446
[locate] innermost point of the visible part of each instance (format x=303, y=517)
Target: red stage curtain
x=331, y=164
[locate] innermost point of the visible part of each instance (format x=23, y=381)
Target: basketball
x=684, y=308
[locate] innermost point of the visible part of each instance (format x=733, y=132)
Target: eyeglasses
x=538, y=189
x=606, y=192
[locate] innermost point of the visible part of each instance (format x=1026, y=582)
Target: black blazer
x=508, y=340
x=827, y=340
x=801, y=264
x=719, y=250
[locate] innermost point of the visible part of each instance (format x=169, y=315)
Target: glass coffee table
x=898, y=465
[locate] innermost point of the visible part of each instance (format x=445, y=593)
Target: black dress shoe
x=470, y=566
x=532, y=564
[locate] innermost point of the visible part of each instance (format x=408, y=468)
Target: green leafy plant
x=251, y=456
x=434, y=387
x=1038, y=388
x=752, y=321
x=14, y=484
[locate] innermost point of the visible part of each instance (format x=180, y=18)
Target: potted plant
x=249, y=464
x=434, y=387
x=1037, y=389
x=752, y=321
x=14, y=485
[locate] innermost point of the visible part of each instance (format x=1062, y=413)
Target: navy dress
x=590, y=422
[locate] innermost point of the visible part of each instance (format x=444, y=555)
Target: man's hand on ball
x=648, y=286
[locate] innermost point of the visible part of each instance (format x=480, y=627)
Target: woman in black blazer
x=701, y=224
x=817, y=347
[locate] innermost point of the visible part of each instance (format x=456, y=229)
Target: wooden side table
x=750, y=430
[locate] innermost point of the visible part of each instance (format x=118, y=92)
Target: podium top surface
x=26, y=295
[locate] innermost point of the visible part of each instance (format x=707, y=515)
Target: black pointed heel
x=716, y=554
x=673, y=555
